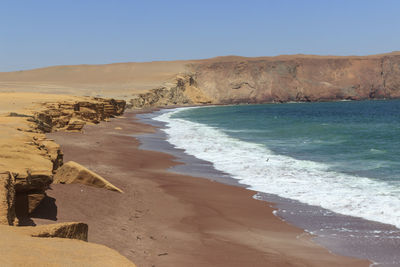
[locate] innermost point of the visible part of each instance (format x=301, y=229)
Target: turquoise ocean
x=341, y=157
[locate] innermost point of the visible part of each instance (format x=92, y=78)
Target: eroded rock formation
x=28, y=161
x=74, y=173
x=182, y=91
x=72, y=230
x=31, y=158
x=73, y=116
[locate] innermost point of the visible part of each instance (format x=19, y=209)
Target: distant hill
x=228, y=79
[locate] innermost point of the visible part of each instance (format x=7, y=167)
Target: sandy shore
x=165, y=219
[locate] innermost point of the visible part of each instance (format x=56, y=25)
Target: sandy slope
x=119, y=80
x=26, y=102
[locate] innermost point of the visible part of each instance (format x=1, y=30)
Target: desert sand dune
x=119, y=80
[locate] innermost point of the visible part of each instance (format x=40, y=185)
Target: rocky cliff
x=28, y=162
x=227, y=80
x=299, y=78
x=31, y=159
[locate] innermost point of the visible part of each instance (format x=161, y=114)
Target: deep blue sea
x=341, y=156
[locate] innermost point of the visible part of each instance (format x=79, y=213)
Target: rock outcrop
x=28, y=161
x=71, y=230
x=74, y=173
x=30, y=157
x=72, y=116
x=181, y=91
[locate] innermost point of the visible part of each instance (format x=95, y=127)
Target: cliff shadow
x=47, y=209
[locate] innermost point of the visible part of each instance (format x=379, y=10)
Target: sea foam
x=264, y=171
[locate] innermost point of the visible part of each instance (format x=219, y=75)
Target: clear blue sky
x=37, y=33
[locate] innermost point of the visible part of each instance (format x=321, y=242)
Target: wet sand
x=167, y=219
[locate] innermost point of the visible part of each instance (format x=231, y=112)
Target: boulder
x=72, y=230
x=74, y=173
x=75, y=125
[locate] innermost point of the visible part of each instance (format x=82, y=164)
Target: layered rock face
x=299, y=78
x=31, y=159
x=73, y=116
x=28, y=161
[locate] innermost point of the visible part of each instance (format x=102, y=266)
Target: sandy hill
x=228, y=79
x=112, y=80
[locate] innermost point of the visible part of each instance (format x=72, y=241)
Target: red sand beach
x=167, y=219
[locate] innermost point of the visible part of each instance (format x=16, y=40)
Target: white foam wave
x=306, y=181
